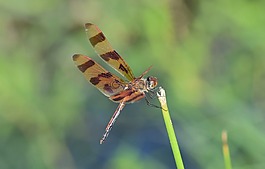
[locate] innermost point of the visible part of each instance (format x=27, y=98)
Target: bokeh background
x=208, y=55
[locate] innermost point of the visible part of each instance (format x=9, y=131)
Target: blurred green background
x=208, y=55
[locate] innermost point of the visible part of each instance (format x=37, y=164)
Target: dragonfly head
x=151, y=82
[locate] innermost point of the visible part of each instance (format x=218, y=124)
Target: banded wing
x=106, y=52
x=102, y=79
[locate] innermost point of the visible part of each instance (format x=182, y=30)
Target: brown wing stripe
x=121, y=67
x=96, y=80
x=110, y=55
x=119, y=96
x=86, y=65
x=106, y=75
x=108, y=88
x=97, y=38
x=136, y=98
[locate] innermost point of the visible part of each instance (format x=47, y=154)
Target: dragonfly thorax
x=151, y=82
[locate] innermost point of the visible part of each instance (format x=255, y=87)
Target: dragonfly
x=115, y=88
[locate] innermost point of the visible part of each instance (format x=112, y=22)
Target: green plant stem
x=226, y=152
x=170, y=130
